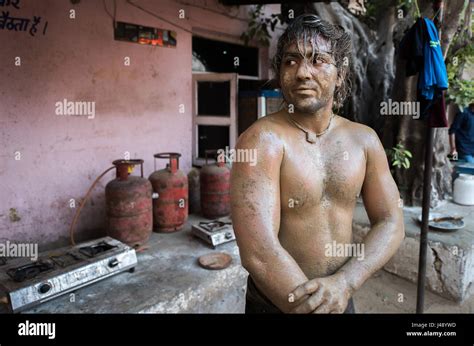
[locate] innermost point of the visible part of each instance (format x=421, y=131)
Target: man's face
x=308, y=85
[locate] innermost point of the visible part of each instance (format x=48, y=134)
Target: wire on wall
x=236, y=17
x=157, y=16
x=108, y=13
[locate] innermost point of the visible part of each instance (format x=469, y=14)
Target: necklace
x=311, y=136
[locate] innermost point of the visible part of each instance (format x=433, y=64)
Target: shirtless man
x=299, y=197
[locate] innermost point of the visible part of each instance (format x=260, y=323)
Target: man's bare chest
x=314, y=175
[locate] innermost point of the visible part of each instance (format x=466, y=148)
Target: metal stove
x=214, y=232
x=27, y=284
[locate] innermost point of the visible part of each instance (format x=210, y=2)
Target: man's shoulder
x=364, y=134
x=274, y=121
x=468, y=114
x=269, y=129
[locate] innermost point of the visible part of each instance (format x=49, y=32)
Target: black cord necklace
x=311, y=137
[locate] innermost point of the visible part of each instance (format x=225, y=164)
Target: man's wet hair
x=306, y=28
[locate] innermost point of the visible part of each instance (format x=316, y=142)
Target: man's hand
x=322, y=295
x=453, y=154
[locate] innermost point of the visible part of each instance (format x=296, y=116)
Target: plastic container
x=463, y=192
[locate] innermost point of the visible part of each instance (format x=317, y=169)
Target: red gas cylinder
x=129, y=205
x=170, y=209
x=215, y=188
x=194, y=191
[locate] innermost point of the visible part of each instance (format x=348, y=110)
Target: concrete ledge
x=450, y=257
x=167, y=279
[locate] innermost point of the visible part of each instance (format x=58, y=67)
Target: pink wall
x=137, y=108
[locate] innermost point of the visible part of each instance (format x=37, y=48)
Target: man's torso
x=319, y=184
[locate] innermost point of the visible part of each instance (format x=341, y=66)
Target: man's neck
x=316, y=122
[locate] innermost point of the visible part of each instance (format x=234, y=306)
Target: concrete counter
x=450, y=255
x=167, y=279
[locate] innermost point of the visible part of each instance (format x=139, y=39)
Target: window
x=217, y=56
x=214, y=113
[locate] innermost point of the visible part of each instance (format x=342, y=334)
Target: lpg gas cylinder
x=129, y=205
x=194, y=191
x=170, y=208
x=215, y=188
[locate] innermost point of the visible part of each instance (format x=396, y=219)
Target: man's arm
x=382, y=203
x=452, y=132
x=452, y=144
x=381, y=198
x=255, y=200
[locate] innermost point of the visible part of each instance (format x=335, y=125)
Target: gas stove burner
x=95, y=249
x=66, y=260
x=214, y=226
x=214, y=232
x=61, y=271
x=29, y=271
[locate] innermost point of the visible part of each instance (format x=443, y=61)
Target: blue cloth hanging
x=433, y=75
x=421, y=49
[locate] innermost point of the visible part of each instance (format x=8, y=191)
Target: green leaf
x=252, y=32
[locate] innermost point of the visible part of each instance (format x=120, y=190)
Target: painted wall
x=47, y=159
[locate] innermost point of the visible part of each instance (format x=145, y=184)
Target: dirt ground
x=387, y=293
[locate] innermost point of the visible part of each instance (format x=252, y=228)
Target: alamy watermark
x=28, y=328
x=77, y=108
x=411, y=108
x=335, y=249
x=9, y=249
x=237, y=155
